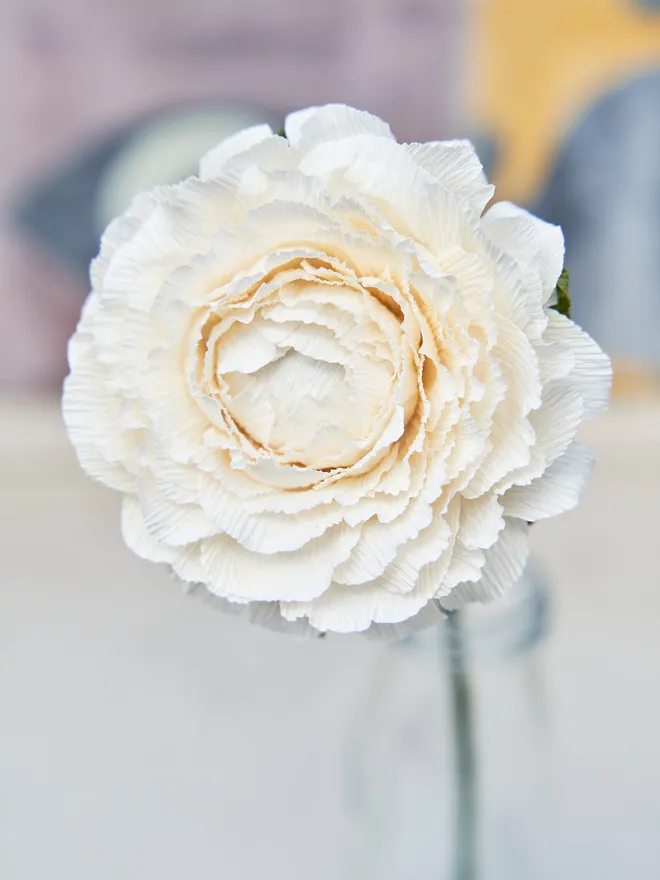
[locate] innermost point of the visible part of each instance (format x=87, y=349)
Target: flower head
x=330, y=386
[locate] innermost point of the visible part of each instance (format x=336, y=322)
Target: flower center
x=297, y=405
x=313, y=374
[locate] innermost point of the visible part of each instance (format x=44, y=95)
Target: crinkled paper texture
x=329, y=384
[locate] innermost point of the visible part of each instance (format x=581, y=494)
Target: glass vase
x=447, y=762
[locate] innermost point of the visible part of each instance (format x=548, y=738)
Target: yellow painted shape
x=537, y=64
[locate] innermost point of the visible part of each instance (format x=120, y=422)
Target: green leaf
x=281, y=133
x=563, y=304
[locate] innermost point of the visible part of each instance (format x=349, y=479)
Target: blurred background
x=144, y=735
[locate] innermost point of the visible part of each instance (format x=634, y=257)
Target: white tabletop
x=145, y=735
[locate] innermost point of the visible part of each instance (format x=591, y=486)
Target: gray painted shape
x=605, y=193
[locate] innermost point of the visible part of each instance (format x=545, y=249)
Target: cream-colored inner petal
x=315, y=373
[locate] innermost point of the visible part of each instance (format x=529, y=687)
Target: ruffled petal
x=138, y=538
x=428, y=616
x=456, y=166
x=167, y=521
x=556, y=421
x=232, y=571
x=481, y=522
x=214, y=162
x=380, y=543
x=308, y=128
x=504, y=564
x=354, y=609
x=591, y=373
x=92, y=417
x=530, y=240
x=556, y=491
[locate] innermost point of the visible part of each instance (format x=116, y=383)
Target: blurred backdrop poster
x=566, y=100
x=100, y=100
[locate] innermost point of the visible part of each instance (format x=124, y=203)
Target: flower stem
x=465, y=815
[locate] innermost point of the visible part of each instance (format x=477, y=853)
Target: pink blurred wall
x=73, y=71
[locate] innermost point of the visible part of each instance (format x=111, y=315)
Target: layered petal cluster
x=330, y=385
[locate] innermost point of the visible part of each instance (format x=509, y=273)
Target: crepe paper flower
x=331, y=387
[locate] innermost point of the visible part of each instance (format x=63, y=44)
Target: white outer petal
x=466, y=566
x=380, y=542
x=591, y=373
x=316, y=125
x=91, y=413
x=455, y=165
x=184, y=561
x=504, y=564
x=266, y=533
x=429, y=615
x=354, y=609
x=230, y=570
x=381, y=170
x=481, y=522
x=122, y=230
x=556, y=491
x=530, y=240
x=557, y=420
x=136, y=536
x=214, y=162
x=170, y=522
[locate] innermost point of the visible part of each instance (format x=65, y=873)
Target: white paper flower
x=331, y=388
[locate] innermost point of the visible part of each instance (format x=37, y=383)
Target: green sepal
x=563, y=304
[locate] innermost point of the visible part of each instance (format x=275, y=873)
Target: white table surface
x=144, y=735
